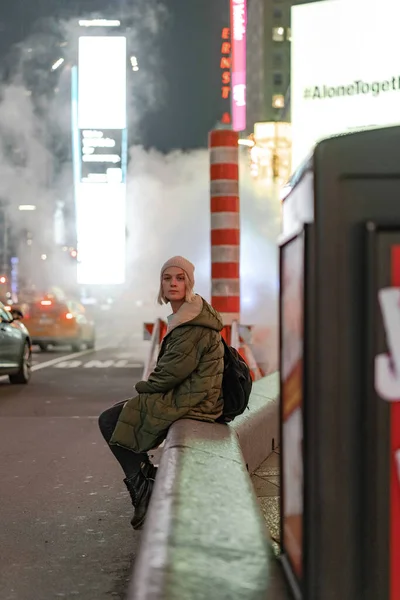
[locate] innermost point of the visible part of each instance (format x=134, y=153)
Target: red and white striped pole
x=225, y=224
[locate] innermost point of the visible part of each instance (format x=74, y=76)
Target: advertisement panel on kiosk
x=292, y=312
x=383, y=404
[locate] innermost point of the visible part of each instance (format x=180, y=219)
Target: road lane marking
x=125, y=364
x=55, y=361
x=53, y=417
x=98, y=364
x=66, y=361
x=68, y=364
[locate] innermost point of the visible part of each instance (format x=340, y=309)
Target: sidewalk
x=266, y=483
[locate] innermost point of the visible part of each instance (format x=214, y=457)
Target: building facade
x=268, y=59
x=268, y=88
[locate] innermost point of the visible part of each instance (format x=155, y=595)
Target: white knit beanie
x=180, y=263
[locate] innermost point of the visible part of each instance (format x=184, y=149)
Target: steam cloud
x=35, y=132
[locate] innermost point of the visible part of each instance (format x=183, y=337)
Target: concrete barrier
x=204, y=535
x=258, y=427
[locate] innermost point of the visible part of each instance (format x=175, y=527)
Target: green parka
x=186, y=381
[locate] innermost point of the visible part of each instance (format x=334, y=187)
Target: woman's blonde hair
x=189, y=296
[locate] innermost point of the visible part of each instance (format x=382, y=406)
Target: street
x=65, y=513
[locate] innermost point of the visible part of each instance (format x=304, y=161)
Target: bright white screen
x=101, y=223
x=102, y=83
x=100, y=207
x=337, y=44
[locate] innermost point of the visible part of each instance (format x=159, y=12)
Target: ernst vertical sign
x=226, y=77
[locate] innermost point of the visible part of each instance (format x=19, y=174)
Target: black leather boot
x=140, y=487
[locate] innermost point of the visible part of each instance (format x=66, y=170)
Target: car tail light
x=69, y=316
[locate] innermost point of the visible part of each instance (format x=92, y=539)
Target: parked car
x=15, y=348
x=54, y=322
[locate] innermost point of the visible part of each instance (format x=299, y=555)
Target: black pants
x=129, y=460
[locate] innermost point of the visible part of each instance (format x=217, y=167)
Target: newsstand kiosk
x=340, y=371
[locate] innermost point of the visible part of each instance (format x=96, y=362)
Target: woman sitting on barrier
x=186, y=382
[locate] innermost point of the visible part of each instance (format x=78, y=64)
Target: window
x=278, y=101
x=277, y=12
x=278, y=34
x=277, y=60
x=278, y=79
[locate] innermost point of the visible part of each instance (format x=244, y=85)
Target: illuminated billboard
x=102, y=82
x=99, y=131
x=345, y=71
x=100, y=216
x=238, y=43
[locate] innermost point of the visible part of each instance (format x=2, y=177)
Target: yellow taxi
x=55, y=322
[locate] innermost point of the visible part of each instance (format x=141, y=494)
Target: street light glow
x=246, y=142
x=26, y=207
x=99, y=23
x=57, y=64
x=134, y=63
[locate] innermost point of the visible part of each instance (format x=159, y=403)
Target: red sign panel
x=395, y=466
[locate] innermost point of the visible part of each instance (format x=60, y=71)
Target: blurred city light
x=26, y=207
x=278, y=101
x=270, y=156
x=99, y=23
x=134, y=63
x=3, y=279
x=44, y=257
x=246, y=142
x=57, y=64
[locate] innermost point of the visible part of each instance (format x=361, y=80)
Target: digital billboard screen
x=345, y=72
x=100, y=149
x=102, y=82
x=101, y=155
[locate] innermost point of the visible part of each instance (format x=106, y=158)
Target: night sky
x=187, y=50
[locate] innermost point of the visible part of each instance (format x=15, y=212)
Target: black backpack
x=236, y=384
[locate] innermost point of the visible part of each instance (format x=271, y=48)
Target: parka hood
x=199, y=313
